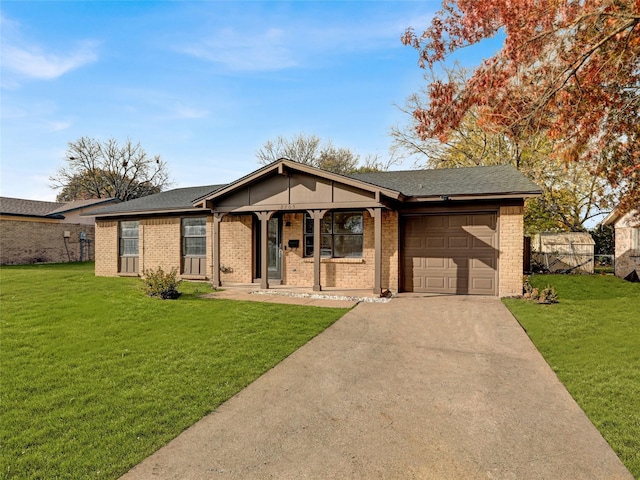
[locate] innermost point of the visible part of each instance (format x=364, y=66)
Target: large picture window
x=341, y=235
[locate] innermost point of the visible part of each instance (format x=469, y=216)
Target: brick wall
x=236, y=249
x=106, y=248
x=510, y=260
x=159, y=243
x=35, y=242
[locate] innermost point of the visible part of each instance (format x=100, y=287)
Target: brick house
x=627, y=242
x=437, y=231
x=33, y=231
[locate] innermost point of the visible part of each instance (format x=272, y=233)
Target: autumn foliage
x=570, y=69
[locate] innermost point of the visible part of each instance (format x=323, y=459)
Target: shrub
x=158, y=283
x=547, y=295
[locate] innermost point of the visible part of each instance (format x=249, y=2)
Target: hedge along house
x=451, y=231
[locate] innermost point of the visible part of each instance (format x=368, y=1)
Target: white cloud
x=297, y=41
x=30, y=60
x=185, y=112
x=59, y=126
x=265, y=51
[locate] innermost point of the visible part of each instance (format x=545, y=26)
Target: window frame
x=331, y=234
x=184, y=236
x=122, y=238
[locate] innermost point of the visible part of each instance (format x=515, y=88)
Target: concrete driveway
x=417, y=388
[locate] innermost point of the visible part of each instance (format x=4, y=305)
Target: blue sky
x=203, y=84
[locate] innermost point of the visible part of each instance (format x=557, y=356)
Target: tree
x=310, y=150
x=570, y=69
x=107, y=169
x=571, y=194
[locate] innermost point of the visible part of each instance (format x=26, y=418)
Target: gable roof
x=501, y=181
x=178, y=199
x=284, y=165
x=454, y=182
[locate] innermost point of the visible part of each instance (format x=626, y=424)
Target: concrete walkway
x=417, y=388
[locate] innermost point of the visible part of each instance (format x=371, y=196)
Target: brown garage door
x=450, y=254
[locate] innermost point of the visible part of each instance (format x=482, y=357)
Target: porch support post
x=376, y=213
x=217, y=218
x=317, y=216
x=264, y=218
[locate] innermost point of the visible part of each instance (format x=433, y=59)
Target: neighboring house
x=456, y=231
x=564, y=251
x=627, y=228
x=32, y=231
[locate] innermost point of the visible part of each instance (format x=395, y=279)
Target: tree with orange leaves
x=569, y=68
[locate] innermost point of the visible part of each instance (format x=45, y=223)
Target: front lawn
x=96, y=376
x=591, y=339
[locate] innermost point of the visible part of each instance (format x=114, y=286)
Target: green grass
x=96, y=376
x=591, y=339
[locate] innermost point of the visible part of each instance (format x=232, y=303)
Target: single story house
x=33, y=231
x=627, y=242
x=450, y=231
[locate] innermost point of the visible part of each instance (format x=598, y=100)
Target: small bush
x=547, y=295
x=158, y=283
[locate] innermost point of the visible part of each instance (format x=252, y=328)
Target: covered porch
x=300, y=199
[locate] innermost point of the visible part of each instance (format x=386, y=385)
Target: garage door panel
x=457, y=221
x=450, y=254
x=435, y=242
x=483, y=263
x=435, y=262
x=432, y=221
x=479, y=242
x=437, y=283
x=484, y=220
x=457, y=284
x=459, y=241
x=415, y=243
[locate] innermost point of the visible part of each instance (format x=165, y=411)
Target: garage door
x=450, y=254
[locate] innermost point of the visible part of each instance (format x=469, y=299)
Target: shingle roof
x=176, y=199
x=78, y=204
x=487, y=180
x=31, y=208
x=37, y=208
x=473, y=181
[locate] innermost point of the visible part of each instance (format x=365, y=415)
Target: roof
x=468, y=181
x=80, y=204
x=30, y=208
x=283, y=165
x=501, y=180
x=176, y=199
x=37, y=208
x=624, y=219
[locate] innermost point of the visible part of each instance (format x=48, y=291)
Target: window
x=129, y=239
x=194, y=237
x=128, y=247
x=341, y=235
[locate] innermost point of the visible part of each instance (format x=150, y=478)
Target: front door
x=274, y=248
